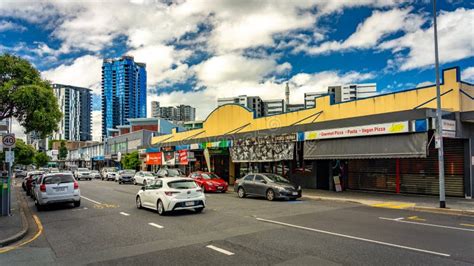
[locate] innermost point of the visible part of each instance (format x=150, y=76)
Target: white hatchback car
x=143, y=178
x=170, y=194
x=57, y=188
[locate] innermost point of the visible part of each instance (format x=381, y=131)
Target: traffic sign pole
x=9, y=141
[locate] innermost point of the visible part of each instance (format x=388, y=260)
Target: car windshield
x=58, y=179
x=182, y=184
x=95, y=171
x=209, y=176
x=82, y=169
x=277, y=178
x=173, y=172
x=147, y=174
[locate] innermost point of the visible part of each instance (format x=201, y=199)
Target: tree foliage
x=131, y=161
x=24, y=153
x=26, y=97
x=41, y=159
x=62, y=151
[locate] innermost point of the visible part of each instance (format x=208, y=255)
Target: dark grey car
x=270, y=186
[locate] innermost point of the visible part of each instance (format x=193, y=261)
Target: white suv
x=57, y=188
x=171, y=193
x=143, y=178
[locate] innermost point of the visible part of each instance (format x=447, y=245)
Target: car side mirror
x=143, y=188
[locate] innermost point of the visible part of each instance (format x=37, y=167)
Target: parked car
x=57, y=188
x=20, y=173
x=109, y=173
x=209, y=181
x=26, y=184
x=170, y=172
x=95, y=174
x=270, y=186
x=83, y=173
x=143, y=178
x=170, y=194
x=125, y=176
x=35, y=179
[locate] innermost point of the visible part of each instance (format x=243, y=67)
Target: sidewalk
x=459, y=206
x=455, y=206
x=14, y=227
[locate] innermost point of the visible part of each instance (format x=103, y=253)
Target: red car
x=209, y=182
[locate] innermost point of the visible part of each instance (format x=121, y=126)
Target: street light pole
x=439, y=117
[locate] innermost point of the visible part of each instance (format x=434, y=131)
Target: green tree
x=24, y=153
x=62, y=151
x=26, y=97
x=131, y=161
x=41, y=159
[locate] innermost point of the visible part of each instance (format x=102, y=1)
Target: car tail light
x=170, y=193
x=43, y=188
x=76, y=185
x=198, y=190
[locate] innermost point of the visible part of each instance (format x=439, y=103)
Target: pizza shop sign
x=368, y=130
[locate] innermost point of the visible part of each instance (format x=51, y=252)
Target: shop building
x=380, y=143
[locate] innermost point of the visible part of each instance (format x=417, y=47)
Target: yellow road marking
x=393, y=205
x=468, y=225
x=40, y=231
x=105, y=206
x=416, y=218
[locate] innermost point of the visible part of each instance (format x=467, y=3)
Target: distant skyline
x=197, y=51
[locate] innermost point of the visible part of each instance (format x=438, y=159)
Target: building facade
x=155, y=109
x=350, y=92
x=382, y=143
x=253, y=103
x=309, y=98
x=273, y=107
x=76, y=105
x=123, y=92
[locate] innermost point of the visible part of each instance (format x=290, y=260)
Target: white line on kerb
x=124, y=213
x=355, y=237
x=220, y=250
x=155, y=225
x=426, y=224
x=91, y=200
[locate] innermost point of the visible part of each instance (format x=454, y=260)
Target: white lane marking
x=91, y=200
x=426, y=224
x=355, y=237
x=124, y=213
x=228, y=253
x=155, y=225
x=398, y=219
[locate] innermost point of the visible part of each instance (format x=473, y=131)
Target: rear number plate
x=219, y=187
x=189, y=203
x=60, y=189
x=295, y=193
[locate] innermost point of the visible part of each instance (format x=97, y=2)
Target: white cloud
x=97, y=125
x=85, y=71
x=455, y=38
x=424, y=84
x=468, y=74
x=10, y=26
x=370, y=32
x=18, y=130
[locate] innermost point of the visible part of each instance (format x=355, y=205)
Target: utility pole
x=439, y=117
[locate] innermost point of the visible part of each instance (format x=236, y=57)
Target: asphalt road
x=108, y=230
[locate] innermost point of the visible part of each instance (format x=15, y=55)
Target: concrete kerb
x=24, y=228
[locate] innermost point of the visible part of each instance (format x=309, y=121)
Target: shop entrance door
x=322, y=174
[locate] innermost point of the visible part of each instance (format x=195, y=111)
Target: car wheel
x=199, y=210
x=77, y=204
x=241, y=192
x=139, y=202
x=270, y=195
x=160, y=208
x=120, y=182
x=134, y=182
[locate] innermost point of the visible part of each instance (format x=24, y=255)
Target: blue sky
x=196, y=51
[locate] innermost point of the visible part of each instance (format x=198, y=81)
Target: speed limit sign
x=9, y=141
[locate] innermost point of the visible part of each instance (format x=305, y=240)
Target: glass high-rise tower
x=123, y=92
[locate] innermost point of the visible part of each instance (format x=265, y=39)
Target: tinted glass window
x=147, y=174
x=249, y=178
x=55, y=179
x=182, y=184
x=259, y=178
x=173, y=172
x=277, y=178
x=156, y=184
x=209, y=176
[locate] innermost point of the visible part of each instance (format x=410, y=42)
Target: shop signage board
x=154, y=158
x=449, y=124
x=169, y=158
x=9, y=156
x=359, y=131
x=183, y=157
x=268, y=139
